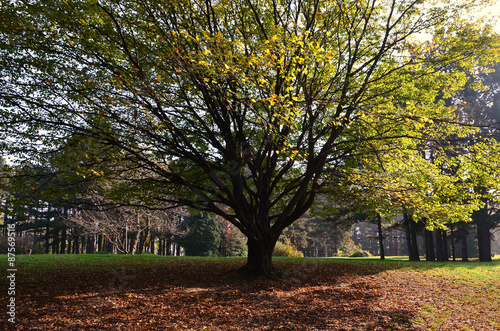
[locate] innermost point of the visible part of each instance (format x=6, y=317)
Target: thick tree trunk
x=430, y=255
x=484, y=241
x=411, y=238
x=90, y=245
x=259, y=262
x=484, y=226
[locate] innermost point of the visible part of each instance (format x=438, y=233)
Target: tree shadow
x=313, y=295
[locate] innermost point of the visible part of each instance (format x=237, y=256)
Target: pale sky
x=494, y=11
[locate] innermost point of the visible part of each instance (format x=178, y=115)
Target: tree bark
x=99, y=243
x=484, y=226
x=380, y=237
x=411, y=238
x=453, y=253
x=484, y=241
x=47, y=240
x=76, y=245
x=439, y=245
x=55, y=241
x=430, y=255
x=90, y=245
x=259, y=261
x=144, y=239
x=446, y=254
x=465, y=251
x=133, y=245
x=152, y=243
x=63, y=241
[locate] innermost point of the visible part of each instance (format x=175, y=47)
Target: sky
x=494, y=11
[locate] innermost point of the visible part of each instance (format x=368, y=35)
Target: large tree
x=481, y=105
x=240, y=108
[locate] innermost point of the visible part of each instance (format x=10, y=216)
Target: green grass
x=475, y=272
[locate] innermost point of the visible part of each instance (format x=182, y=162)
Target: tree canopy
x=243, y=108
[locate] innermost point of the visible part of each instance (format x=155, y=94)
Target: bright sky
x=494, y=11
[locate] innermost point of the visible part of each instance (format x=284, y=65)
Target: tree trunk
x=446, y=254
x=55, y=242
x=83, y=243
x=99, y=243
x=439, y=245
x=259, y=261
x=90, y=245
x=484, y=241
x=465, y=252
x=144, y=239
x=429, y=246
x=47, y=238
x=413, y=234
x=484, y=226
x=63, y=241
x=76, y=245
x=133, y=245
x=168, y=250
x=70, y=243
x=380, y=237
x=152, y=243
x=453, y=253
x=411, y=238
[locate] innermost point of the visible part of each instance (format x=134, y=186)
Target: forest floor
x=147, y=292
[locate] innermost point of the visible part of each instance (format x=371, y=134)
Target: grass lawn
x=148, y=292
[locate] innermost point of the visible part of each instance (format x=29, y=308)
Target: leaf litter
x=183, y=294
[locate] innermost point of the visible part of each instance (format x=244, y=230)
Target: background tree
x=240, y=108
x=480, y=105
x=204, y=236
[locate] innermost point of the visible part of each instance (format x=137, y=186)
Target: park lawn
x=148, y=292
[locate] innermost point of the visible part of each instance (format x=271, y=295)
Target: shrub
x=360, y=254
x=286, y=249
